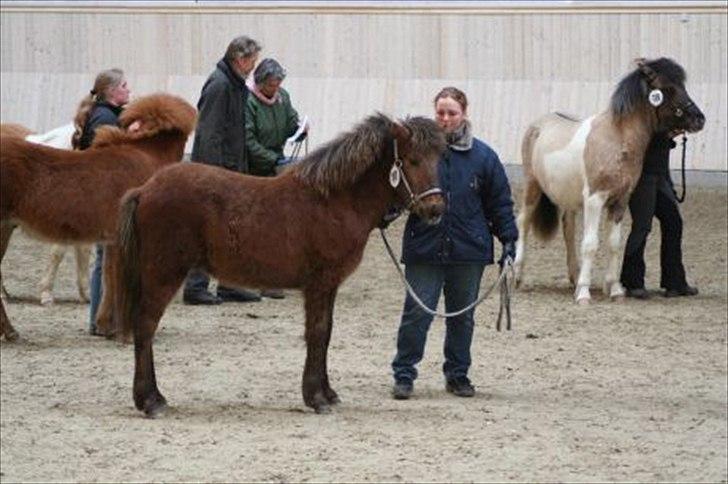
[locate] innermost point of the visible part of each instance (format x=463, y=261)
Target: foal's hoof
x=323, y=409
x=46, y=299
x=155, y=407
x=332, y=397
x=583, y=301
x=12, y=336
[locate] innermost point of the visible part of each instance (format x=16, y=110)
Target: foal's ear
x=400, y=131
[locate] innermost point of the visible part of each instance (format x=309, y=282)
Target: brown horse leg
x=6, y=230
x=329, y=393
x=147, y=396
x=317, y=303
x=105, y=314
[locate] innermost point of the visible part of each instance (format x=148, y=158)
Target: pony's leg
x=105, y=314
x=83, y=253
x=531, y=196
x=6, y=230
x=593, y=205
x=612, y=286
x=568, y=225
x=147, y=396
x=46, y=284
x=318, y=330
x=329, y=393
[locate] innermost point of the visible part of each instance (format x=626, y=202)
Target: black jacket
x=657, y=156
x=220, y=134
x=101, y=114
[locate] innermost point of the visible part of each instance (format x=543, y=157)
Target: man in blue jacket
x=450, y=257
x=220, y=141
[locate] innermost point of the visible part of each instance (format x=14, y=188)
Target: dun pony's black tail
x=129, y=283
x=545, y=218
x=546, y=214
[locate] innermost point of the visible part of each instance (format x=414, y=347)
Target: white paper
x=301, y=128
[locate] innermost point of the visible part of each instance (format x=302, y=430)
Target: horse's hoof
x=583, y=301
x=322, y=409
x=12, y=336
x=155, y=407
x=46, y=299
x=332, y=397
x=617, y=298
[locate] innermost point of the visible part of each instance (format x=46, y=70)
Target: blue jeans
x=460, y=285
x=96, y=288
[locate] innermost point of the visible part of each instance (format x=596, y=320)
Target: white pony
x=57, y=138
x=594, y=164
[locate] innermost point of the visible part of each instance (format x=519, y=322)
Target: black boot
x=201, y=298
x=236, y=295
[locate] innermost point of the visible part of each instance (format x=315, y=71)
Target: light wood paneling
x=344, y=63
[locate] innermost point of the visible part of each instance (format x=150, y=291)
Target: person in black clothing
x=101, y=107
x=654, y=196
x=220, y=141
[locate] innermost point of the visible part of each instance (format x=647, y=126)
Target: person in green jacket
x=269, y=119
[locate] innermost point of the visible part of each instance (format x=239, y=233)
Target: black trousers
x=654, y=196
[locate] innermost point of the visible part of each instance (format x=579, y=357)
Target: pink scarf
x=265, y=100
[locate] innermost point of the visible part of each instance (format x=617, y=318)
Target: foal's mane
x=631, y=93
x=156, y=113
x=340, y=162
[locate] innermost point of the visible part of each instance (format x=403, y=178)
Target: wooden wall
x=345, y=60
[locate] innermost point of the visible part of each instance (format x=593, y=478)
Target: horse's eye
x=678, y=112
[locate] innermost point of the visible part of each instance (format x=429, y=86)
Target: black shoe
x=637, y=293
x=202, y=298
x=684, y=291
x=237, y=295
x=402, y=390
x=273, y=294
x=460, y=386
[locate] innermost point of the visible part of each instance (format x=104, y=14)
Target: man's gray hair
x=267, y=69
x=242, y=46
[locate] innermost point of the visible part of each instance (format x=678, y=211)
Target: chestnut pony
x=594, y=164
x=73, y=196
x=305, y=229
x=57, y=138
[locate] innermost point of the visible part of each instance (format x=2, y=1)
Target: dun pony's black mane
x=340, y=162
x=631, y=92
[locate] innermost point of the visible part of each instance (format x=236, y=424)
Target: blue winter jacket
x=479, y=205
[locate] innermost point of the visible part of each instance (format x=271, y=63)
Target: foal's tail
x=546, y=214
x=545, y=218
x=129, y=283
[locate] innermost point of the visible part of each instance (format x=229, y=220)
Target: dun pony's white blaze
x=562, y=171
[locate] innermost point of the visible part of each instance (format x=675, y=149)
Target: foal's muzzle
x=430, y=206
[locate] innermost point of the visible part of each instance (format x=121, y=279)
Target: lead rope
x=503, y=282
x=681, y=198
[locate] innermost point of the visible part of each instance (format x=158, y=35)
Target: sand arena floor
x=630, y=391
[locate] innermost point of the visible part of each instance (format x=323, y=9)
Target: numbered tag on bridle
x=655, y=97
x=394, y=176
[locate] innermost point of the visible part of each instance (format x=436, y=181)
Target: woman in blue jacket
x=101, y=107
x=450, y=257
